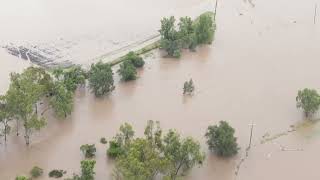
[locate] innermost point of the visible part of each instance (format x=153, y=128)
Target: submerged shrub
x=136, y=60
x=103, y=140
x=36, y=172
x=308, y=100
x=127, y=71
x=221, y=140
x=115, y=149
x=101, y=79
x=188, y=87
x=88, y=150
x=22, y=178
x=56, y=173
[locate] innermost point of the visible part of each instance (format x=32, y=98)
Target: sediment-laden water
x=263, y=53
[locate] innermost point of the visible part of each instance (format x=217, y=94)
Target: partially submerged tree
x=127, y=71
x=170, y=37
x=136, y=60
x=308, y=100
x=57, y=173
x=71, y=77
x=87, y=169
x=221, y=140
x=121, y=141
x=25, y=91
x=61, y=100
x=101, y=79
x=5, y=118
x=36, y=172
x=88, y=150
x=153, y=155
x=183, y=154
x=188, y=87
x=189, y=35
x=204, y=28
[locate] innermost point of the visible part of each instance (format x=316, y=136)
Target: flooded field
x=263, y=53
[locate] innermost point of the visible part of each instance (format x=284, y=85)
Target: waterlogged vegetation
x=188, y=35
x=308, y=100
x=168, y=155
x=157, y=154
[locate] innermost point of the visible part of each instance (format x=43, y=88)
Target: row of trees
x=36, y=87
x=187, y=35
x=166, y=155
x=32, y=88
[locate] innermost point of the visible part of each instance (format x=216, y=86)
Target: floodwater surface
x=263, y=53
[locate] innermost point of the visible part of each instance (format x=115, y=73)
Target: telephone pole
x=315, y=14
x=249, y=146
x=215, y=10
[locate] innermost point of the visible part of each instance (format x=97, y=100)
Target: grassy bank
x=139, y=52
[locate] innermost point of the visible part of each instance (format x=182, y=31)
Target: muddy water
x=263, y=53
x=78, y=31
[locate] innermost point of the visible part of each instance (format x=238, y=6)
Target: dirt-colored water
x=264, y=51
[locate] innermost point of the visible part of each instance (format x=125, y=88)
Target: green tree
x=186, y=32
x=127, y=71
x=170, y=37
x=136, y=60
x=188, y=87
x=36, y=172
x=5, y=118
x=61, y=100
x=71, y=77
x=88, y=150
x=183, y=154
x=57, y=173
x=308, y=100
x=115, y=149
x=101, y=79
x=25, y=91
x=121, y=141
x=204, y=28
x=221, y=140
x=87, y=169
x=141, y=161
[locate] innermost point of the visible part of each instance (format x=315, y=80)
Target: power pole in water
x=315, y=14
x=215, y=11
x=249, y=146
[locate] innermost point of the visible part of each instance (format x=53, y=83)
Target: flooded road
x=263, y=53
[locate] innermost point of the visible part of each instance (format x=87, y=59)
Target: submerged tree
x=170, y=37
x=183, y=154
x=88, y=150
x=136, y=60
x=61, y=100
x=5, y=118
x=127, y=71
x=25, y=91
x=204, y=29
x=221, y=140
x=169, y=157
x=189, y=35
x=188, y=87
x=72, y=77
x=101, y=79
x=308, y=100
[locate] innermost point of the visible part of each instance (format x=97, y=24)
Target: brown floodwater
x=263, y=53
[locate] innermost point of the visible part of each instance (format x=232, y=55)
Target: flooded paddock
x=263, y=53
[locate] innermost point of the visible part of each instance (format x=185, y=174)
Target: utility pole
x=215, y=10
x=315, y=14
x=249, y=146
